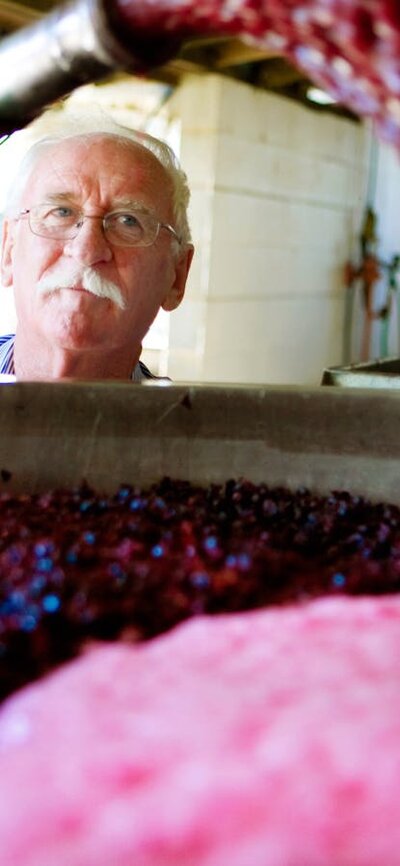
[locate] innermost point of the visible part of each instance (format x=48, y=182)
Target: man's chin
x=75, y=318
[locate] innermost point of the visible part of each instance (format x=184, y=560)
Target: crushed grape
x=351, y=48
x=133, y=564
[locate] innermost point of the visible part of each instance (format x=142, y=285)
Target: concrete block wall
x=277, y=196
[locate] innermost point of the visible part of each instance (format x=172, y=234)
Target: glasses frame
x=82, y=216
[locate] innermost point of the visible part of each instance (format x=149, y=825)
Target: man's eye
x=128, y=220
x=61, y=212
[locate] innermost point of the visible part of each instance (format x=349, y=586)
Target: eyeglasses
x=130, y=228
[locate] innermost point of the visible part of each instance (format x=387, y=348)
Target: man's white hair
x=65, y=128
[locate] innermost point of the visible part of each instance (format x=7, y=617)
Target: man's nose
x=90, y=245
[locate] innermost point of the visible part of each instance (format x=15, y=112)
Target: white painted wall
x=386, y=197
x=278, y=192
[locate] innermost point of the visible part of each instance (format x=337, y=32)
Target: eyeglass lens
x=127, y=228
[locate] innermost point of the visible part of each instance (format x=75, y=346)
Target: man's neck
x=44, y=361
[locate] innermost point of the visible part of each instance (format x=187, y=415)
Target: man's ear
x=177, y=290
x=6, y=254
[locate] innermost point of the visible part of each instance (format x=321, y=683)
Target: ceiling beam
x=234, y=52
x=14, y=15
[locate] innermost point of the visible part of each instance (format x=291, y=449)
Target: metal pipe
x=78, y=42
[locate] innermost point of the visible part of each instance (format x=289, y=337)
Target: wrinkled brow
x=124, y=203
x=59, y=196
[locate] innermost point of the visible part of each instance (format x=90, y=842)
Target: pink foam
x=261, y=739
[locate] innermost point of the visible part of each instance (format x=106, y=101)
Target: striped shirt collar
x=7, y=354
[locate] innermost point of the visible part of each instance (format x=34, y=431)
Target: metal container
x=58, y=434
x=383, y=373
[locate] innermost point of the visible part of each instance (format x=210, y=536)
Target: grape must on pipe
x=351, y=48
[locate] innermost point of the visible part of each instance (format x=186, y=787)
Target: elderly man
x=95, y=241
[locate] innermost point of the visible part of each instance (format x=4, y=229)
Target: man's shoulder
x=145, y=372
x=7, y=354
x=142, y=372
x=7, y=339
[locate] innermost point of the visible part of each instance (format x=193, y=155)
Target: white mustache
x=87, y=278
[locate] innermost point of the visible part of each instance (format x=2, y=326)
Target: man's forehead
x=80, y=154
x=78, y=163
